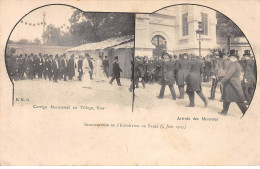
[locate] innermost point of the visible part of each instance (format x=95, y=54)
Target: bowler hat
x=220, y=54
x=116, y=58
x=165, y=54
x=233, y=53
x=247, y=53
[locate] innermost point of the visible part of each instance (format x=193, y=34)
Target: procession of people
x=189, y=71
x=235, y=76
x=44, y=66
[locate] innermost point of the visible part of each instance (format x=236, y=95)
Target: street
x=103, y=96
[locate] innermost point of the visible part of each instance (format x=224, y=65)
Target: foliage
x=23, y=41
x=94, y=27
x=215, y=51
x=90, y=27
x=226, y=27
x=37, y=41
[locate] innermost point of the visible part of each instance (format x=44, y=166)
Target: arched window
x=159, y=41
x=160, y=45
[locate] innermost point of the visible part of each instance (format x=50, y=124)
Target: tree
x=37, y=41
x=23, y=41
x=11, y=41
x=226, y=27
x=52, y=35
x=93, y=27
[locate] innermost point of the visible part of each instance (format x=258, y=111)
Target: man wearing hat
x=116, y=72
x=48, y=69
x=41, y=65
x=218, y=67
x=182, y=65
x=231, y=84
x=150, y=70
x=194, y=81
x=91, y=67
x=135, y=74
x=30, y=66
x=56, y=68
x=207, y=68
x=71, y=67
x=249, y=80
x=63, y=67
x=168, y=76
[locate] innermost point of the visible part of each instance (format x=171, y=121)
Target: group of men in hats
x=46, y=66
x=190, y=70
x=233, y=90
x=185, y=70
x=56, y=68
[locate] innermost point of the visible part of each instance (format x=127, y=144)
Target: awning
x=103, y=44
x=125, y=45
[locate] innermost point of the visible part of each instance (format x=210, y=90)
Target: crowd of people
x=56, y=68
x=236, y=76
x=190, y=71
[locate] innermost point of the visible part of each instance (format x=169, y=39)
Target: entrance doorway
x=160, y=45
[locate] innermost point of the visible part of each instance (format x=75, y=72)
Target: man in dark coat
x=71, y=67
x=35, y=66
x=232, y=89
x=249, y=80
x=24, y=63
x=138, y=73
x=105, y=66
x=30, y=67
x=194, y=82
x=168, y=76
x=135, y=74
x=150, y=70
x=182, y=66
x=63, y=67
x=207, y=69
x=218, y=66
x=56, y=68
x=158, y=70
x=48, y=67
x=41, y=65
x=141, y=73
x=20, y=66
x=91, y=67
x=145, y=65
x=116, y=72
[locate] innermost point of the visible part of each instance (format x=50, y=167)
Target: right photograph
x=194, y=60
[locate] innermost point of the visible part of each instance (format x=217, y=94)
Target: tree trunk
x=228, y=43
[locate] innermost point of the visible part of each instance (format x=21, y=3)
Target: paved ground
x=44, y=92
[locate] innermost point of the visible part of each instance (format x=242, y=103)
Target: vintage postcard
x=129, y=83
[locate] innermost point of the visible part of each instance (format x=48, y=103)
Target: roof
x=103, y=44
x=125, y=45
x=237, y=40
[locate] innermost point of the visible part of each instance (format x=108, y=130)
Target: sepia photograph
x=71, y=57
x=129, y=83
x=192, y=58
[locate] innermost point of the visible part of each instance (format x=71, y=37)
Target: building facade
x=173, y=29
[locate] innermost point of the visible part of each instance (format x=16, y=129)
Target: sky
x=56, y=15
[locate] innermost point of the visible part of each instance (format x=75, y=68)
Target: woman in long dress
x=100, y=75
x=86, y=76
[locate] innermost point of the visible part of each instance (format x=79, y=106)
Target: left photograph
x=60, y=56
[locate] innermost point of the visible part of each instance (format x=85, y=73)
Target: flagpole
x=43, y=27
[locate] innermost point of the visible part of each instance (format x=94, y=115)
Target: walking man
x=116, y=72
x=194, y=82
x=232, y=89
x=168, y=76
